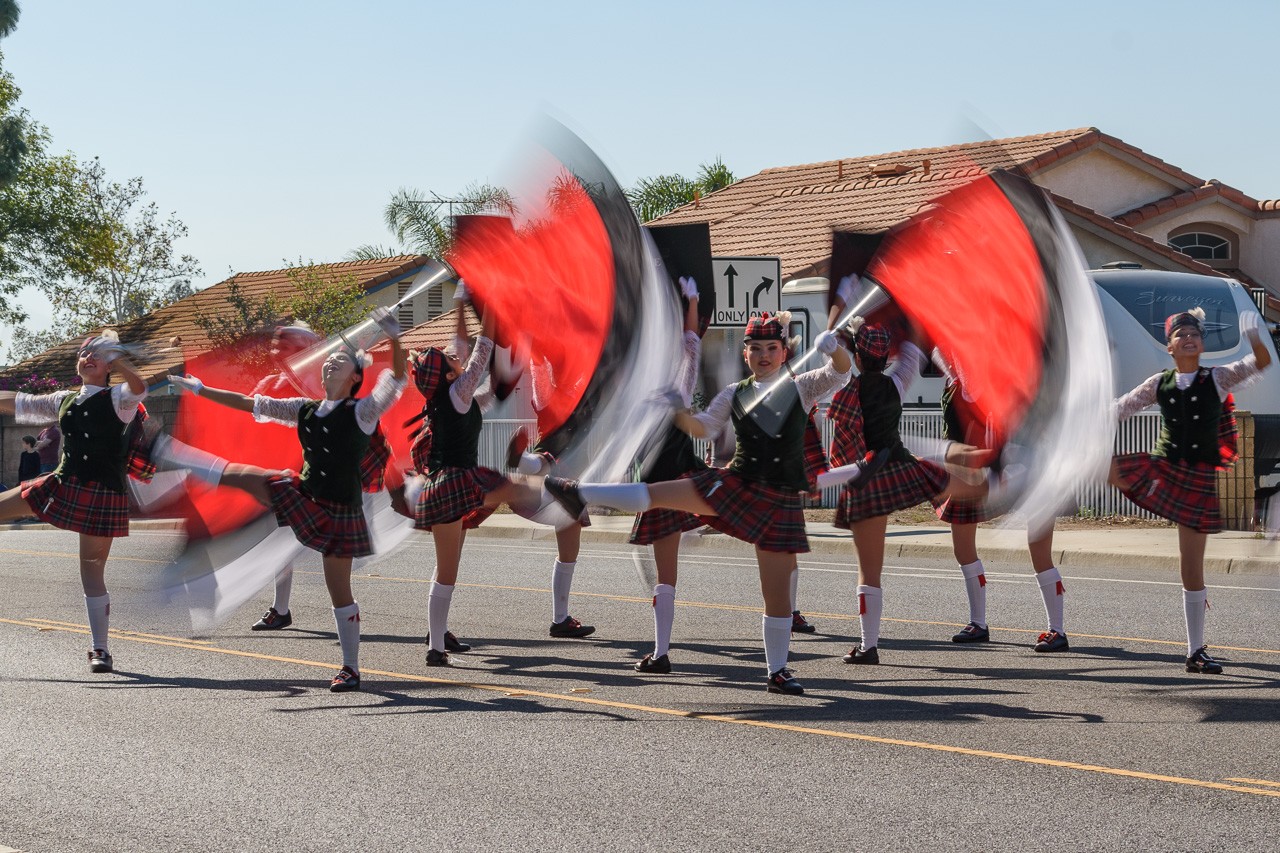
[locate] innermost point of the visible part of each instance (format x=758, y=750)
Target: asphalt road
x=231, y=741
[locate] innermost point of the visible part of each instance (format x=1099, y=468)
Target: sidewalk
x=1230, y=552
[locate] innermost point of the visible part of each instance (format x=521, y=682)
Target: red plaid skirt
x=335, y=530
x=88, y=508
x=898, y=485
x=952, y=511
x=654, y=524
x=768, y=517
x=451, y=494
x=1184, y=494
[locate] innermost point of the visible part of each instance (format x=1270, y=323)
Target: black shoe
x=435, y=658
x=516, y=447
x=870, y=465
x=783, y=681
x=453, y=644
x=272, y=621
x=801, y=625
x=565, y=493
x=1201, y=662
x=345, y=681
x=100, y=661
x=865, y=657
x=571, y=628
x=972, y=633
x=1052, y=641
x=659, y=665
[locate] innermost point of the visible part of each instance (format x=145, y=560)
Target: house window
x=1202, y=246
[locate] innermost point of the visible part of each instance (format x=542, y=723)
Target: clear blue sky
x=277, y=129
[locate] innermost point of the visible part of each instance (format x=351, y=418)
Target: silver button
x=324, y=473
x=776, y=459
x=1195, y=417
x=86, y=456
x=1194, y=446
x=86, y=435
x=1193, y=399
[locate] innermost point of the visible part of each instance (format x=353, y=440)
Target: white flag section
x=217, y=577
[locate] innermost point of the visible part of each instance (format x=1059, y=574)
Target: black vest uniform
x=881, y=413
x=1188, y=419
x=775, y=460
x=332, y=448
x=455, y=437
x=95, y=444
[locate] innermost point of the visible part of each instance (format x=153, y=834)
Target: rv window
x=1150, y=302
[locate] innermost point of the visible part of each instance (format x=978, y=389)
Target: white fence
x=1136, y=435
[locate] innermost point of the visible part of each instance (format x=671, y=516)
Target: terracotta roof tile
x=178, y=320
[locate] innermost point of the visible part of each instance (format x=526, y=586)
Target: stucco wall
x=1104, y=183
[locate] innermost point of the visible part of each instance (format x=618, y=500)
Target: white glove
x=461, y=294
x=855, y=323
x=190, y=384
x=386, y=321
x=688, y=287
x=844, y=290
x=1249, y=323
x=826, y=343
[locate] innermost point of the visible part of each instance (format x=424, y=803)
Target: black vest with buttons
x=759, y=456
x=332, y=447
x=1189, y=419
x=95, y=444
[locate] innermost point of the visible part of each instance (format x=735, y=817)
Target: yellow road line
x=508, y=690
x=1257, y=782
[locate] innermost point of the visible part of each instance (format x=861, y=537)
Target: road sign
x=745, y=287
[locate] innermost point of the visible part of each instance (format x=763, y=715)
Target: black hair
x=29, y=439
x=359, y=377
x=871, y=363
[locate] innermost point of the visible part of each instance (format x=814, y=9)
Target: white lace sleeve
x=716, y=415
x=126, y=402
x=816, y=384
x=906, y=367
x=1236, y=373
x=383, y=396
x=689, y=367
x=1137, y=399
x=464, y=387
x=275, y=410
x=38, y=409
x=541, y=372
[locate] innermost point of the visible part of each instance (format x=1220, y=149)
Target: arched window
x=1202, y=246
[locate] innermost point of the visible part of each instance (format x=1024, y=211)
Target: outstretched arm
x=230, y=399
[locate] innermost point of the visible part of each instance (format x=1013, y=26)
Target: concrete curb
x=1228, y=553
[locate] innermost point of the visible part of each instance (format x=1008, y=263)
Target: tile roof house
x=384, y=280
x=1121, y=203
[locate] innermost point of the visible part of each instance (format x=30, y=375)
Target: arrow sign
x=765, y=285
x=730, y=274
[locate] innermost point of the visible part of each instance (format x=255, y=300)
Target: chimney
x=926, y=164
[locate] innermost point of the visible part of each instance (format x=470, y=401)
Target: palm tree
x=422, y=224
x=657, y=196
x=8, y=17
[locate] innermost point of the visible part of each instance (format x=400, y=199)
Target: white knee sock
x=531, y=463
x=1194, y=604
x=171, y=453
x=626, y=497
x=99, y=607
x=284, y=589
x=348, y=621
x=795, y=583
x=561, y=583
x=1051, y=590
x=777, y=642
x=438, y=600
x=870, y=608
x=664, y=615
x=975, y=585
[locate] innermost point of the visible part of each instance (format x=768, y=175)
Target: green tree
x=328, y=302
x=420, y=223
x=131, y=266
x=659, y=195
